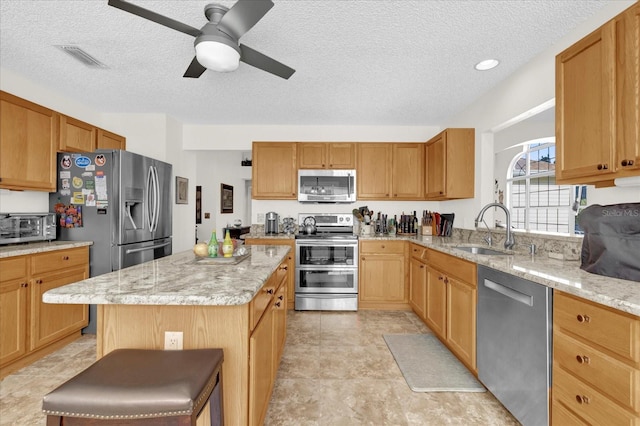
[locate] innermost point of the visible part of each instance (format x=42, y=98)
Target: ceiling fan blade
x=243, y=16
x=155, y=17
x=265, y=63
x=195, y=70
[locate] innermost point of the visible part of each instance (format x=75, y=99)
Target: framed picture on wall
x=182, y=190
x=226, y=198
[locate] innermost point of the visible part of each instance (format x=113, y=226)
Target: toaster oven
x=27, y=227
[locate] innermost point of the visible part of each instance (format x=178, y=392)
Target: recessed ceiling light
x=487, y=64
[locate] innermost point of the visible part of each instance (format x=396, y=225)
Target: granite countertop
x=32, y=248
x=178, y=279
x=564, y=275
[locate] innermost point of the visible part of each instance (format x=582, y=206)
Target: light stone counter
x=558, y=274
x=177, y=280
x=32, y=248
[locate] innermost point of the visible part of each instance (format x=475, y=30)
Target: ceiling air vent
x=81, y=56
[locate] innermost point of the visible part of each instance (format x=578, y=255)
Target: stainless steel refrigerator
x=119, y=200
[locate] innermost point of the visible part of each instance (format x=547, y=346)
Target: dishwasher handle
x=509, y=292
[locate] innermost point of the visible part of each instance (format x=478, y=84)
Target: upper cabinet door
x=628, y=90
x=374, y=171
x=76, y=135
x=312, y=155
x=450, y=162
x=108, y=140
x=274, y=171
x=27, y=145
x=436, y=160
x=341, y=156
x=325, y=155
x=408, y=171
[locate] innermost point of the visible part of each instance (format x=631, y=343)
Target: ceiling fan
x=216, y=43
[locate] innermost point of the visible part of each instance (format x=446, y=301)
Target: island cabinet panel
x=30, y=328
x=596, y=363
x=288, y=266
x=598, y=104
x=27, y=145
x=251, y=352
x=274, y=171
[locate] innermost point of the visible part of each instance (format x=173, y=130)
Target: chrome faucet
x=509, y=242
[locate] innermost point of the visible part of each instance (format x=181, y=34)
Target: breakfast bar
x=238, y=305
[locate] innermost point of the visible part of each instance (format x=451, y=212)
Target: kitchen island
x=236, y=307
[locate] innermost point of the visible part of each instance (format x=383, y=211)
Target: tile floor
x=336, y=370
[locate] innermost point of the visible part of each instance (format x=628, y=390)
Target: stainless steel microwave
x=27, y=227
x=327, y=186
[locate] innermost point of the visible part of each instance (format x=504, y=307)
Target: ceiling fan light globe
x=217, y=56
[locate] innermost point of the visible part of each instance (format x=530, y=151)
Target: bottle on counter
x=213, y=245
x=227, y=245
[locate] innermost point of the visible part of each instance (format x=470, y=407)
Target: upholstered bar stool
x=141, y=387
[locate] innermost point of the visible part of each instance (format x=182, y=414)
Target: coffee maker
x=271, y=223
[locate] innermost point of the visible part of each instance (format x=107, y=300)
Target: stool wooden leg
x=54, y=420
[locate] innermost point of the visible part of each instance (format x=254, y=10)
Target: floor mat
x=428, y=366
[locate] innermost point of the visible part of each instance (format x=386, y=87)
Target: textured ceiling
x=357, y=62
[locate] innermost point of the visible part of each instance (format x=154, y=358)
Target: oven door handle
x=329, y=243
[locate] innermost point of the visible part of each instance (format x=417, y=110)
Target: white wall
x=213, y=169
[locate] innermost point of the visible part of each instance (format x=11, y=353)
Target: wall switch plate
x=173, y=340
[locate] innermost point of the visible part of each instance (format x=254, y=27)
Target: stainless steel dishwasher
x=514, y=343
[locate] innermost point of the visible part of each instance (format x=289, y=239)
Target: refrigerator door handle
x=157, y=198
x=155, y=246
x=149, y=209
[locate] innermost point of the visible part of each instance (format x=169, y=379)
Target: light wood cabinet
x=596, y=363
x=27, y=145
x=382, y=273
x=108, y=140
x=76, y=135
x=597, y=104
x=274, y=171
x=290, y=262
x=252, y=336
x=450, y=165
x=14, y=291
x=326, y=155
x=418, y=281
x=31, y=328
x=390, y=171
x=407, y=171
x=451, y=304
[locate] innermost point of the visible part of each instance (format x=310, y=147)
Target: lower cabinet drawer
x=617, y=380
x=59, y=259
x=588, y=403
x=614, y=330
x=560, y=416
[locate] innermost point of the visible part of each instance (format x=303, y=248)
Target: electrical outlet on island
x=173, y=340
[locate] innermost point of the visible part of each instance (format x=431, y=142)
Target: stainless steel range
x=326, y=263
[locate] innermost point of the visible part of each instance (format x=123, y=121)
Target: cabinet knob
x=24, y=285
x=362, y=258
x=603, y=166
x=280, y=297
x=277, y=304
x=284, y=267
x=330, y=165
x=38, y=281
x=446, y=280
x=582, y=399
x=582, y=359
x=421, y=266
x=626, y=163
x=441, y=278
x=65, y=257
x=583, y=318
x=269, y=291
x=382, y=246
x=440, y=192
x=386, y=195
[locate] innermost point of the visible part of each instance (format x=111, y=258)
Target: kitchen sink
x=481, y=250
